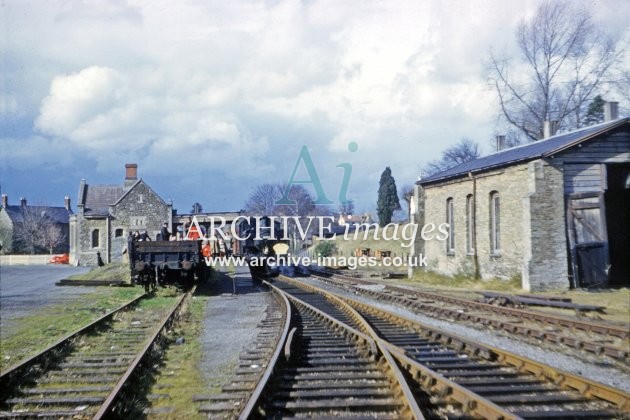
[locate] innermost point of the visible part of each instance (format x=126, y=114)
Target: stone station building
x=107, y=213
x=554, y=213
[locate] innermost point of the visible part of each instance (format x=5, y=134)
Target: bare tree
x=52, y=236
x=563, y=60
x=261, y=201
x=347, y=208
x=464, y=151
x=29, y=231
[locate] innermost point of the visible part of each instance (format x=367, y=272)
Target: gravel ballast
x=604, y=373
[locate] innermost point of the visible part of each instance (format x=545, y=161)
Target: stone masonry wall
x=511, y=185
x=141, y=209
x=544, y=233
x=87, y=254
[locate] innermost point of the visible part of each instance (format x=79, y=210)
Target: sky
x=212, y=98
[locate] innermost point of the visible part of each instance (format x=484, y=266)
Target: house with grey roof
x=28, y=228
x=106, y=214
x=553, y=213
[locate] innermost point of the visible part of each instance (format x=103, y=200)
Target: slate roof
x=59, y=215
x=530, y=151
x=98, y=198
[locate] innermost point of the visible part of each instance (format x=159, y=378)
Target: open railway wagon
x=167, y=262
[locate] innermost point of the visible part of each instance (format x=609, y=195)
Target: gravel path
x=230, y=324
x=603, y=373
x=24, y=289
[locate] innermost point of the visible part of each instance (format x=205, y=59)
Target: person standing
x=166, y=235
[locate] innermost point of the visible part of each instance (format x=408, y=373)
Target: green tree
x=387, y=198
x=595, y=113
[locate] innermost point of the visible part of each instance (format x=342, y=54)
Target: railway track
x=590, y=337
x=464, y=377
x=325, y=368
x=85, y=374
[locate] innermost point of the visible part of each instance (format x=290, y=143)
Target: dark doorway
x=617, y=199
x=588, y=240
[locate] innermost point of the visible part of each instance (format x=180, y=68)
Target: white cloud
x=243, y=84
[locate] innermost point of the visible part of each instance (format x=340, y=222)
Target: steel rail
x=105, y=408
x=251, y=404
x=471, y=402
x=589, y=326
x=509, y=326
x=411, y=408
x=584, y=386
x=6, y=377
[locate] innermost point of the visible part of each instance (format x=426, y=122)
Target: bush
x=325, y=249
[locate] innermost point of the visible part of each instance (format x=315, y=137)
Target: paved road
x=25, y=288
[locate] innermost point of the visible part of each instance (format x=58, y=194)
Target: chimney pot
x=22, y=201
x=5, y=201
x=131, y=171
x=611, y=111
x=67, y=202
x=500, y=142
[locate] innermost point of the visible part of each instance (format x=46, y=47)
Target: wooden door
x=588, y=239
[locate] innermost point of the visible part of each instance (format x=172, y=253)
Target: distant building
x=554, y=212
x=107, y=213
x=13, y=220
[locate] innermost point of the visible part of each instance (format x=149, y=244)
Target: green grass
x=113, y=271
x=28, y=335
x=180, y=376
x=429, y=278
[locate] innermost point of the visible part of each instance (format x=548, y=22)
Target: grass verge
x=113, y=271
x=429, y=278
x=33, y=333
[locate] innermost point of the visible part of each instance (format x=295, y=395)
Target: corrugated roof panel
x=526, y=152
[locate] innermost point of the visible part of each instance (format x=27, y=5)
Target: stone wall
x=544, y=233
x=511, y=185
x=87, y=254
x=140, y=209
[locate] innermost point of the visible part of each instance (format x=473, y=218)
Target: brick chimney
x=67, y=202
x=5, y=201
x=611, y=111
x=22, y=202
x=131, y=174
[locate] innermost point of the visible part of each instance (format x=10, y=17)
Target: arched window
x=450, y=219
x=95, y=238
x=495, y=223
x=470, y=224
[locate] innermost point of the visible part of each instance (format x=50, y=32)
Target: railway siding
x=483, y=377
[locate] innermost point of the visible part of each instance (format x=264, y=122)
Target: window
x=495, y=223
x=450, y=241
x=138, y=222
x=95, y=237
x=118, y=233
x=470, y=224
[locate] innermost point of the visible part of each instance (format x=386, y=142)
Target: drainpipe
x=474, y=227
x=107, y=241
